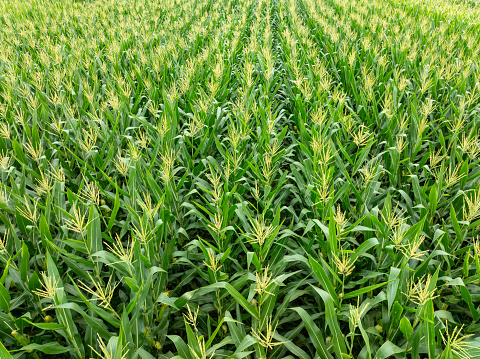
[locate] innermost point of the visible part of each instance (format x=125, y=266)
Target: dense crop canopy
x=239, y=179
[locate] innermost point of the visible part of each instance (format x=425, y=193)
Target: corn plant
x=240, y=179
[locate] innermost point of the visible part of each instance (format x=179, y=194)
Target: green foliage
x=239, y=179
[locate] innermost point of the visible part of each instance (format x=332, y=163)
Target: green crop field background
x=207, y=179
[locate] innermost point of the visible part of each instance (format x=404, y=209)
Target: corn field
x=257, y=179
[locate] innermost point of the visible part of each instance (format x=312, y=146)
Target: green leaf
x=406, y=328
x=363, y=248
x=332, y=322
x=365, y=337
x=93, y=322
x=294, y=349
x=314, y=333
x=192, y=339
x=363, y=290
x=388, y=349
x=46, y=326
x=19, y=152
x=392, y=287
x=48, y=348
x=94, y=234
x=323, y=279
x=4, y=299
x=4, y=354
x=429, y=329
x=433, y=200
x=468, y=299
x=242, y=301
x=24, y=267
x=182, y=348
x=5, y=271
x=116, y=207
x=456, y=226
